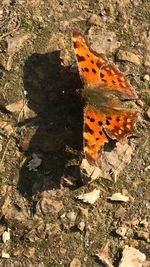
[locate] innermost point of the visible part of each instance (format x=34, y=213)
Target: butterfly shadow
x=51, y=93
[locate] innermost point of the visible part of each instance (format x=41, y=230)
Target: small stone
x=142, y=235
x=132, y=257
x=129, y=56
x=71, y=216
x=148, y=113
x=5, y=255
x=146, y=77
x=94, y=20
x=146, y=264
x=135, y=222
x=29, y=253
x=75, y=263
x=121, y=231
x=6, y=236
x=49, y=206
x=147, y=59
x=81, y=226
x=140, y=102
x=144, y=223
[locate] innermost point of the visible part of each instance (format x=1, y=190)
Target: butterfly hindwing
x=98, y=126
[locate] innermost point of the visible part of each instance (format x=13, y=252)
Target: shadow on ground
x=51, y=93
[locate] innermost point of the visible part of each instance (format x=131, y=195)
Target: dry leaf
x=104, y=257
x=16, y=43
x=22, y=108
x=90, y=197
x=35, y=162
x=119, y=197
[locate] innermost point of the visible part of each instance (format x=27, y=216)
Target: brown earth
x=48, y=225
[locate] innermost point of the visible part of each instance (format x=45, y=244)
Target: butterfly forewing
x=95, y=70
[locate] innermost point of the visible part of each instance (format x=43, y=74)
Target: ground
x=48, y=225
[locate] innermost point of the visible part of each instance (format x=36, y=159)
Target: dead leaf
x=118, y=197
x=35, y=162
x=104, y=257
x=90, y=197
x=22, y=108
x=112, y=164
x=16, y=43
x=132, y=257
x=89, y=172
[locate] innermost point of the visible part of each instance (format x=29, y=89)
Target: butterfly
x=105, y=89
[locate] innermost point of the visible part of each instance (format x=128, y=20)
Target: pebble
x=146, y=77
x=29, y=253
x=71, y=216
x=75, y=263
x=81, y=225
x=142, y=235
x=121, y=231
x=94, y=20
x=132, y=257
x=147, y=59
x=148, y=113
x=5, y=255
x=144, y=223
x=140, y=102
x=129, y=56
x=6, y=236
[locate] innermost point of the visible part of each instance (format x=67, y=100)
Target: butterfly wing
x=98, y=126
x=96, y=71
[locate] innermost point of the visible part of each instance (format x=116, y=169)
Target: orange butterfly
x=105, y=86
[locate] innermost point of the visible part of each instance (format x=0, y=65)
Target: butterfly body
x=105, y=115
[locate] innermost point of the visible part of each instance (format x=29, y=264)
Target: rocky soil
x=45, y=217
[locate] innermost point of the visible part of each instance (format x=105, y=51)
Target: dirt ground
x=41, y=119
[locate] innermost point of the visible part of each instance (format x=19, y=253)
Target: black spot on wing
x=80, y=58
x=87, y=129
x=93, y=70
x=107, y=122
x=101, y=75
x=100, y=123
x=108, y=118
x=117, y=119
x=92, y=119
x=77, y=44
x=86, y=69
